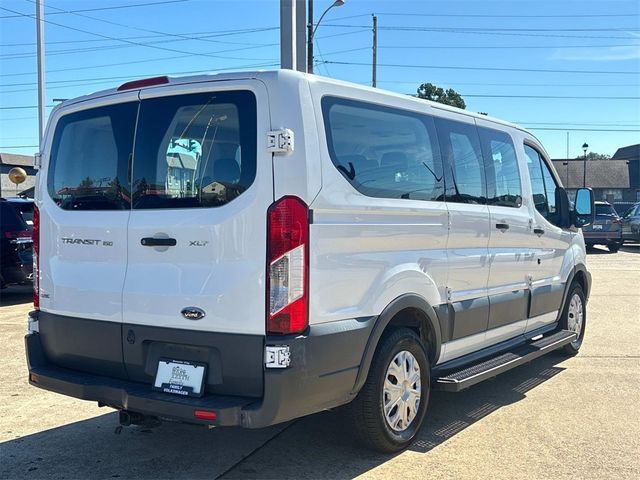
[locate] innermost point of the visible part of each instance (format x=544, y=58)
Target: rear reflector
x=288, y=265
x=35, y=235
x=205, y=415
x=21, y=234
x=147, y=82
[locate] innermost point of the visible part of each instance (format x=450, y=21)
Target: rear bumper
x=602, y=236
x=324, y=366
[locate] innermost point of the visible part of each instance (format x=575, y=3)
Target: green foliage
x=429, y=91
x=595, y=156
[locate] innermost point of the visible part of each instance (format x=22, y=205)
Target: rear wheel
x=614, y=247
x=574, y=318
x=390, y=409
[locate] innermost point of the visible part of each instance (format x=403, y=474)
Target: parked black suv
x=16, y=261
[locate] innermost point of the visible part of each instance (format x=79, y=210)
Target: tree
x=429, y=91
x=594, y=156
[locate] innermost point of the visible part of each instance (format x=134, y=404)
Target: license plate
x=597, y=227
x=180, y=377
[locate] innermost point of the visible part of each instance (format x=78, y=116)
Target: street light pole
x=584, y=164
x=40, y=56
x=312, y=30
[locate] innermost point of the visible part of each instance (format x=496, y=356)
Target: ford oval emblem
x=193, y=313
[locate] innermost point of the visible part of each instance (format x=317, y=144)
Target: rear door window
x=90, y=154
x=196, y=150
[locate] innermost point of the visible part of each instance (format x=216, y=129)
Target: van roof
x=278, y=75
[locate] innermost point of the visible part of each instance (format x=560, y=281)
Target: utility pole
x=288, y=34
x=310, y=38
x=40, y=55
x=374, y=63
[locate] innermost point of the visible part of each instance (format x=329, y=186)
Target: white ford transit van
x=244, y=249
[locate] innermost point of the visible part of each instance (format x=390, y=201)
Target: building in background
x=616, y=180
x=9, y=161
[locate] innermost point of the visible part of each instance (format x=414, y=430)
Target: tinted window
x=194, y=150
x=384, y=152
x=501, y=168
x=543, y=184
x=462, y=158
x=90, y=158
x=10, y=218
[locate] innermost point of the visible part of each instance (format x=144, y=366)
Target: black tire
x=365, y=412
x=614, y=247
x=574, y=347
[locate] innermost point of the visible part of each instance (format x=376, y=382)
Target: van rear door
x=84, y=202
x=195, y=281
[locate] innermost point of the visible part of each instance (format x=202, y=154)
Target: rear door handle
x=157, y=242
x=538, y=231
x=502, y=226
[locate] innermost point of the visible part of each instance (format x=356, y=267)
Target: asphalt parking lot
x=555, y=418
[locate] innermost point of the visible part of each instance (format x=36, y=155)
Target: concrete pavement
x=557, y=417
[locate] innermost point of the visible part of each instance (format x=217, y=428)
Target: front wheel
x=390, y=409
x=574, y=318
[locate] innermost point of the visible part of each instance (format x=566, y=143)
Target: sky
x=552, y=66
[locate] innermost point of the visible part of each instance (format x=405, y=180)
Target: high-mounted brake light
x=288, y=266
x=147, y=82
x=35, y=236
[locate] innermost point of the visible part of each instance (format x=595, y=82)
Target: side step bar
x=459, y=380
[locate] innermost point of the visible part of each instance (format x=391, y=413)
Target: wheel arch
x=409, y=310
x=581, y=275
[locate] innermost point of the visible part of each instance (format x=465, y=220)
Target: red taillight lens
x=35, y=236
x=205, y=415
x=288, y=266
x=19, y=235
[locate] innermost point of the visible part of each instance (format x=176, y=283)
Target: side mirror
x=584, y=211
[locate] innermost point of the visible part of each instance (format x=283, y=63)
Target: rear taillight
x=35, y=235
x=19, y=235
x=287, y=266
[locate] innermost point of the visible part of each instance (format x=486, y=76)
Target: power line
x=166, y=34
x=19, y=146
x=514, y=84
x=107, y=8
x=481, y=31
x=581, y=129
x=499, y=69
x=136, y=37
x=466, y=47
x=493, y=29
x=133, y=77
x=558, y=97
x=475, y=15
x=124, y=41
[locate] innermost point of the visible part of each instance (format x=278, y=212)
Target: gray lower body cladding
x=82, y=362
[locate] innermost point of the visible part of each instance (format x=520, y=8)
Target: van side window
x=501, y=168
x=88, y=169
x=543, y=184
x=195, y=150
x=384, y=152
x=462, y=158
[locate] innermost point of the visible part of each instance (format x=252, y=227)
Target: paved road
x=554, y=418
